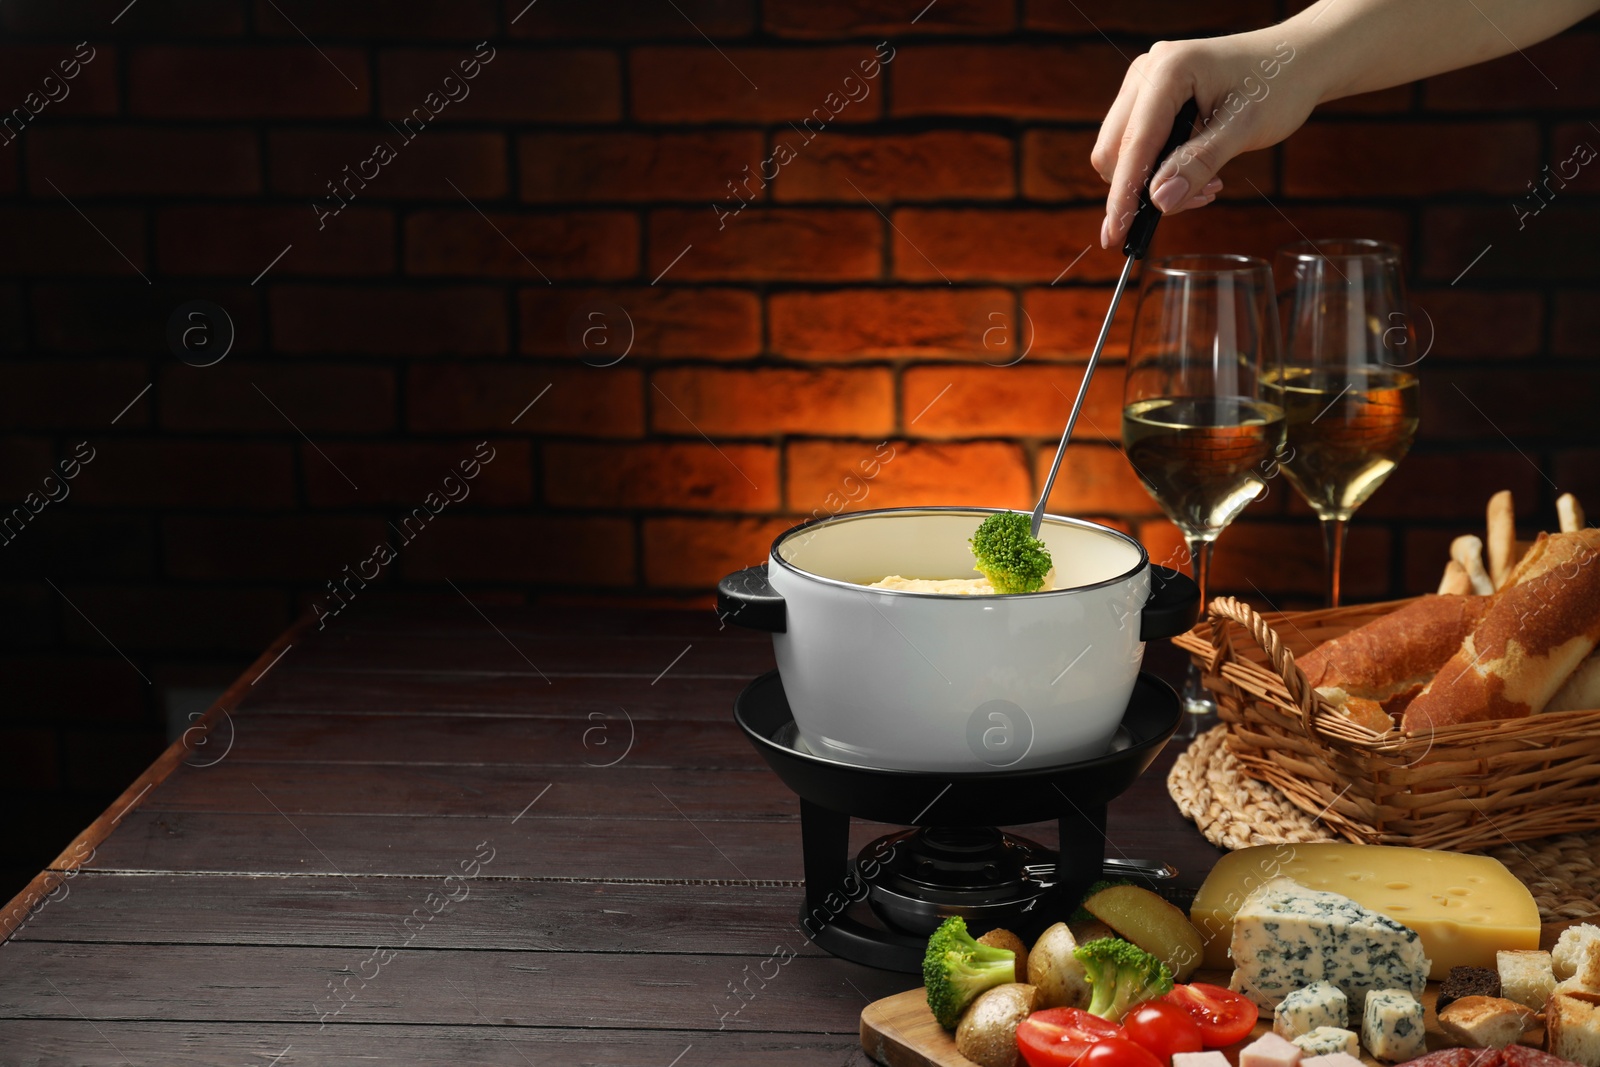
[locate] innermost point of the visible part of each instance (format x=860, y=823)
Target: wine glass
x=1349, y=402
x=1195, y=424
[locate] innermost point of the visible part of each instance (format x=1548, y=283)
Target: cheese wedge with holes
x=1464, y=907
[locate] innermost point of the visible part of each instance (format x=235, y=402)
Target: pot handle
x=1172, y=607
x=747, y=599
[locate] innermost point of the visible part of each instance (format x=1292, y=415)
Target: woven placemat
x=1234, y=811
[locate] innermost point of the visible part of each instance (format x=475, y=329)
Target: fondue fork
x=1142, y=229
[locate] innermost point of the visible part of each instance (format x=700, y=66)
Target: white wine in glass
x=1349, y=402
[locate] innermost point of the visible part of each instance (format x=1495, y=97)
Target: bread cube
x=1526, y=976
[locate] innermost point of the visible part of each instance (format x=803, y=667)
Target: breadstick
x=1467, y=550
x=1502, y=536
x=1455, y=580
x=1570, y=513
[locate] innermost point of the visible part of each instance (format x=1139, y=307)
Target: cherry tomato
x=1059, y=1037
x=1163, y=1028
x=1119, y=1052
x=1224, y=1016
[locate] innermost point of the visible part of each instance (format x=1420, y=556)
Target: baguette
x=1398, y=652
x=1581, y=690
x=1535, y=633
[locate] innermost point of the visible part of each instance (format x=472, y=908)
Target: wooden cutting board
x=900, y=1031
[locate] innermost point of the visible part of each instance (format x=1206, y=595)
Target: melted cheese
x=1464, y=907
x=956, y=586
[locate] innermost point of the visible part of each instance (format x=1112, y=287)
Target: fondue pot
x=955, y=683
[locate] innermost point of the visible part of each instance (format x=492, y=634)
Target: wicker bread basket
x=1468, y=786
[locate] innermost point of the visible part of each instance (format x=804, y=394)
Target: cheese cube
x=1304, y=1010
x=1326, y=1040
x=1199, y=1059
x=1269, y=1050
x=1391, y=1025
x=1286, y=936
x=1464, y=907
x=1577, y=954
x=1333, y=1059
x=1526, y=977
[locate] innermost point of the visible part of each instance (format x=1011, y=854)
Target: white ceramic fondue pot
x=950, y=682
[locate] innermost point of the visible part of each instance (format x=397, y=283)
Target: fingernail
x=1171, y=193
x=1212, y=187
x=1105, y=232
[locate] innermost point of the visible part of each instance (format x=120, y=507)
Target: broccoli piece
x=1008, y=554
x=1082, y=914
x=956, y=969
x=1122, y=975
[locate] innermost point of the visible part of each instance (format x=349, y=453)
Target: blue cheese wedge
x=1326, y=1040
x=1286, y=937
x=1391, y=1025
x=1320, y=1004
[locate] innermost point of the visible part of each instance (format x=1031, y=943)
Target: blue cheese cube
x=1326, y=1040
x=1391, y=1025
x=1286, y=937
x=1304, y=1010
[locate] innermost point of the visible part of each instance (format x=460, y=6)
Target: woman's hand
x=1254, y=89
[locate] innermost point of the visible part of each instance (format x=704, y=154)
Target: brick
x=582, y=553
x=688, y=476
x=31, y=760
x=1577, y=324
x=1577, y=471
x=85, y=545
x=404, y=473
x=1562, y=160
x=1475, y=325
x=51, y=239
x=660, y=321
x=93, y=758
x=1055, y=166
x=1427, y=551
x=1066, y=321
x=29, y=615
x=262, y=81
x=1020, y=401
x=176, y=618
x=1258, y=229
x=202, y=474
x=961, y=244
x=24, y=463
x=515, y=85
x=824, y=19
x=772, y=401
x=484, y=398
x=389, y=320
x=767, y=244
x=577, y=244
x=1076, y=81
x=302, y=162
x=1541, y=251
x=1172, y=16
x=244, y=241
x=694, y=553
x=697, y=84
x=67, y=394
x=944, y=164
x=1555, y=74
x=13, y=321
x=1490, y=406
x=1452, y=485
x=632, y=20
x=77, y=686
x=1094, y=479
x=1383, y=101
x=578, y=167
x=239, y=396
x=273, y=547
x=10, y=181
x=179, y=18
x=102, y=316
x=413, y=19
x=23, y=68
x=854, y=324
x=834, y=475
x=1391, y=159
x=143, y=161
x=1240, y=567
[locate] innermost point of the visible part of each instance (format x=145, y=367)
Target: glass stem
x=1197, y=700
x=1200, y=562
x=1333, y=541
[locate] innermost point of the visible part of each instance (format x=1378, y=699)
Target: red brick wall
x=937, y=224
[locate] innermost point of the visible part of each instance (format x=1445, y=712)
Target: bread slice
x=1486, y=1022
x=1396, y=652
x=1577, y=954
x=1525, y=976
x=1572, y=1027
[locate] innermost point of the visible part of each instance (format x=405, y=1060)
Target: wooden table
x=453, y=835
